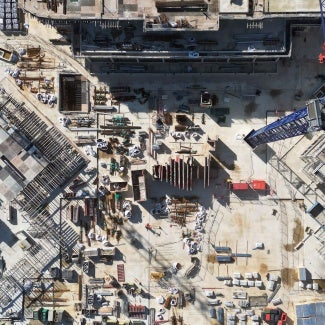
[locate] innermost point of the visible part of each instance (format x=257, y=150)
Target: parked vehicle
x=229, y=304
x=215, y=302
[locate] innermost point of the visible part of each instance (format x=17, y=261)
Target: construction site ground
x=273, y=217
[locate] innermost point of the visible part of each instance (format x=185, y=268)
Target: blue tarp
x=311, y=314
x=320, y=320
x=320, y=309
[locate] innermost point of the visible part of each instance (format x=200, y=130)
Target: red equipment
x=321, y=56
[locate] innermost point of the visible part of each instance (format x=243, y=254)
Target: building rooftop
x=232, y=38
x=162, y=15
x=294, y=6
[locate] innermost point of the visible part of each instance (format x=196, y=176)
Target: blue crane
x=321, y=56
x=310, y=118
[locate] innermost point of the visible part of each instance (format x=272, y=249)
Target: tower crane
x=321, y=56
x=310, y=118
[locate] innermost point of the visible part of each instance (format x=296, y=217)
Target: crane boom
x=310, y=118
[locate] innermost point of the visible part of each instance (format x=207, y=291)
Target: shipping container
x=239, y=186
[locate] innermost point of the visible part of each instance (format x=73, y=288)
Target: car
x=215, y=302
x=135, y=152
x=172, y=24
x=277, y=301
x=193, y=54
x=102, y=144
x=194, y=127
x=259, y=245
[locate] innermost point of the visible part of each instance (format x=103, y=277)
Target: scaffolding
x=64, y=161
x=314, y=159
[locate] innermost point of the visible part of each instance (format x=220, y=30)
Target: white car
x=102, y=144
x=135, y=151
x=229, y=304
x=193, y=54
x=259, y=245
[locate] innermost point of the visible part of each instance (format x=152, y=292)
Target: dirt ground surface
x=235, y=220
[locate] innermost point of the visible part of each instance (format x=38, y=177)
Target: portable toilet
x=213, y=313
x=51, y=315
x=258, y=284
x=237, y=275
x=220, y=315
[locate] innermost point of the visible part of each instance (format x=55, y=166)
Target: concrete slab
x=237, y=221
x=295, y=6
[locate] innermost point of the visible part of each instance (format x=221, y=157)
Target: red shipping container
x=239, y=186
x=258, y=185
